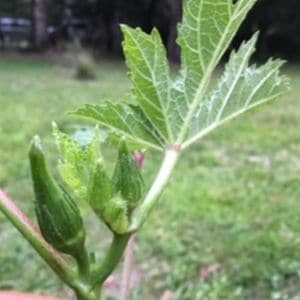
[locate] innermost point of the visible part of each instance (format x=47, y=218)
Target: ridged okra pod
x=127, y=178
x=58, y=216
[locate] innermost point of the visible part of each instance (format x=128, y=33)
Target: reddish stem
x=14, y=209
x=128, y=266
x=32, y=234
x=139, y=158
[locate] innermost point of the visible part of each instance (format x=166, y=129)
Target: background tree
x=40, y=23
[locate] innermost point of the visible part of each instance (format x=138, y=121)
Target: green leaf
x=178, y=111
x=124, y=120
x=241, y=89
x=146, y=58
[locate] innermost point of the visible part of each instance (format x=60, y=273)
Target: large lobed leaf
x=179, y=111
x=207, y=30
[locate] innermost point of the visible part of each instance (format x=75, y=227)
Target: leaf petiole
x=113, y=257
x=171, y=157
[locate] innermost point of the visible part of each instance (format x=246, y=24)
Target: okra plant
x=168, y=113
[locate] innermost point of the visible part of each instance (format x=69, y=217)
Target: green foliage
x=179, y=110
x=82, y=169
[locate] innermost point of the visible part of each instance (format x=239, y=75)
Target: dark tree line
x=97, y=22
x=279, y=23
x=106, y=15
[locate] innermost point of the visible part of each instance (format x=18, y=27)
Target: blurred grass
x=233, y=200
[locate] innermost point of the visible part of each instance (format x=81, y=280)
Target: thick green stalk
x=84, y=293
x=127, y=268
x=162, y=179
x=111, y=260
x=83, y=262
x=141, y=215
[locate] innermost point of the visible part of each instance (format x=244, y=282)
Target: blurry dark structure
x=40, y=35
x=95, y=23
x=278, y=23
x=15, y=22
x=11, y=29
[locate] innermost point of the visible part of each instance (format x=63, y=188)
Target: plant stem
x=83, y=263
x=139, y=218
x=128, y=264
x=85, y=294
x=162, y=179
x=31, y=233
x=111, y=260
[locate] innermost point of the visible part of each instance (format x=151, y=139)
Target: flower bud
x=111, y=210
x=57, y=214
x=100, y=189
x=127, y=178
x=115, y=214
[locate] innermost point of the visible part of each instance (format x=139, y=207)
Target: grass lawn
x=233, y=200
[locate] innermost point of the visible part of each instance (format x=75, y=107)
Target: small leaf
x=147, y=60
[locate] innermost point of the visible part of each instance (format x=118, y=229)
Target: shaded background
x=44, y=24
